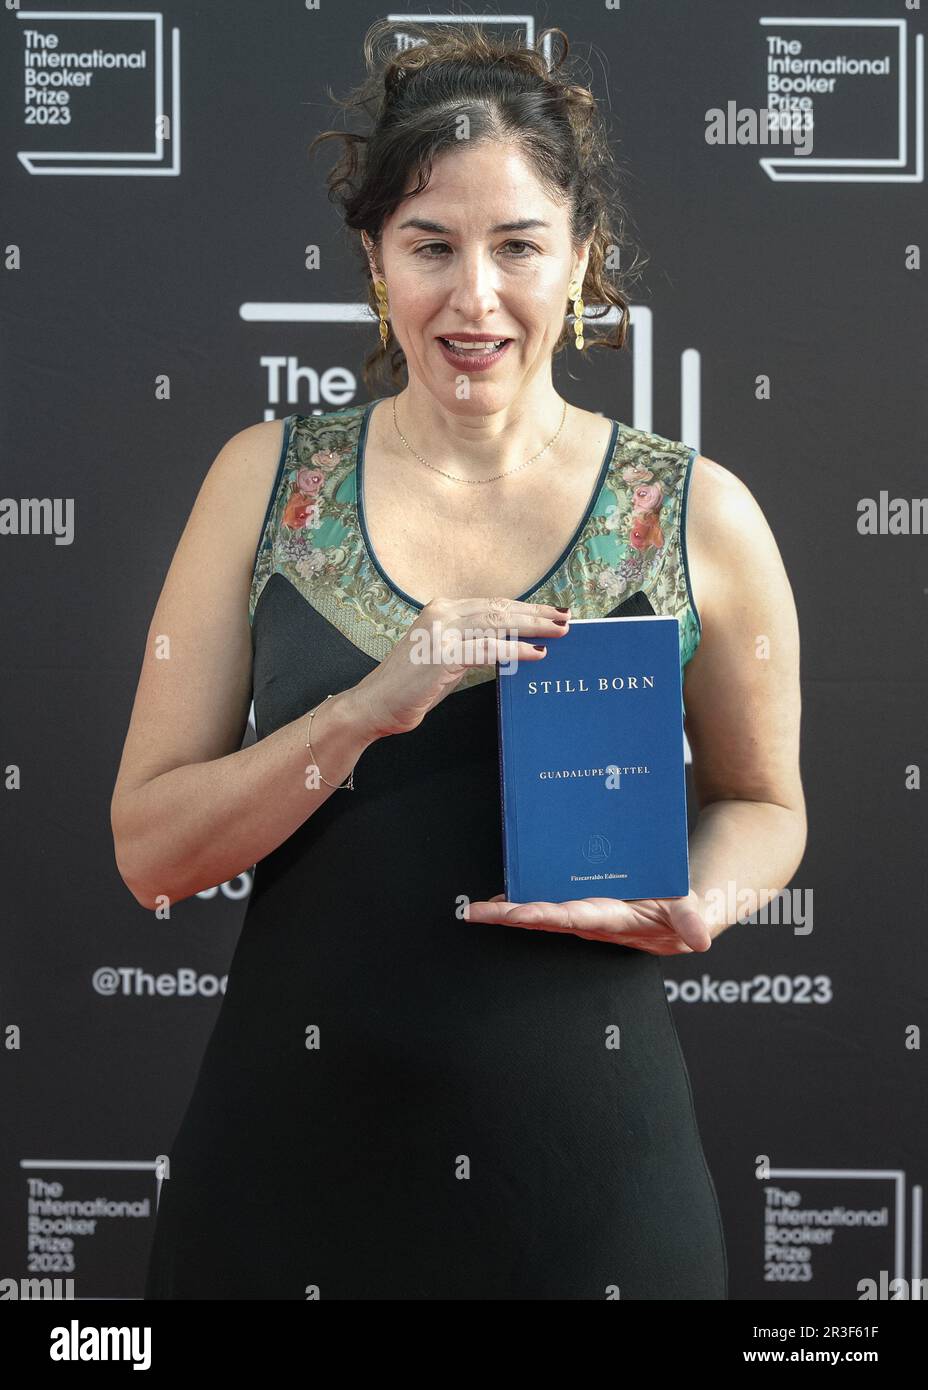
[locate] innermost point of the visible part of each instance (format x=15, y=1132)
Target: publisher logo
x=596, y=849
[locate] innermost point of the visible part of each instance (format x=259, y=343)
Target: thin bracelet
x=340, y=786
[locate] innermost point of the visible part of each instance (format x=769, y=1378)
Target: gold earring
x=380, y=290
x=574, y=291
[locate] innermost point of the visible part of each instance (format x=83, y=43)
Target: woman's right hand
x=448, y=638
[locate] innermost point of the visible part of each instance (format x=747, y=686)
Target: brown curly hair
x=507, y=92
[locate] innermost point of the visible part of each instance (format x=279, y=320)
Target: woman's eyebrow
x=421, y=224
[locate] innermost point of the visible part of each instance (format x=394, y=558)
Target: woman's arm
x=743, y=706
x=191, y=808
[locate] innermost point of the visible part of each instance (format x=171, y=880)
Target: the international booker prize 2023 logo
x=81, y=67
x=821, y=74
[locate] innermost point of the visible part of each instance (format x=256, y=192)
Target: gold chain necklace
x=479, y=480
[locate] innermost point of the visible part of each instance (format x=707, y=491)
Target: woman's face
x=482, y=249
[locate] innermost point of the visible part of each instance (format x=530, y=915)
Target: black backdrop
x=185, y=262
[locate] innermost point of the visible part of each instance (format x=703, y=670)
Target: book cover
x=592, y=765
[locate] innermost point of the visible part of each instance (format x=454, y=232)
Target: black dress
x=396, y=1103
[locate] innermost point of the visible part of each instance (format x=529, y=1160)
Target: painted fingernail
x=561, y=610
x=539, y=648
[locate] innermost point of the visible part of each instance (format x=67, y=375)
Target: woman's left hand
x=663, y=926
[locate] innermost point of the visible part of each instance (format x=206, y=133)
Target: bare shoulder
x=742, y=688
x=195, y=706
x=730, y=544
x=237, y=488
x=247, y=462
x=718, y=495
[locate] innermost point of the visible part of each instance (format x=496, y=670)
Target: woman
x=404, y=1097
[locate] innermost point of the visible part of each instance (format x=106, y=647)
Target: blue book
x=592, y=765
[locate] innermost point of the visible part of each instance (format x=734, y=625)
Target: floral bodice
x=632, y=536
